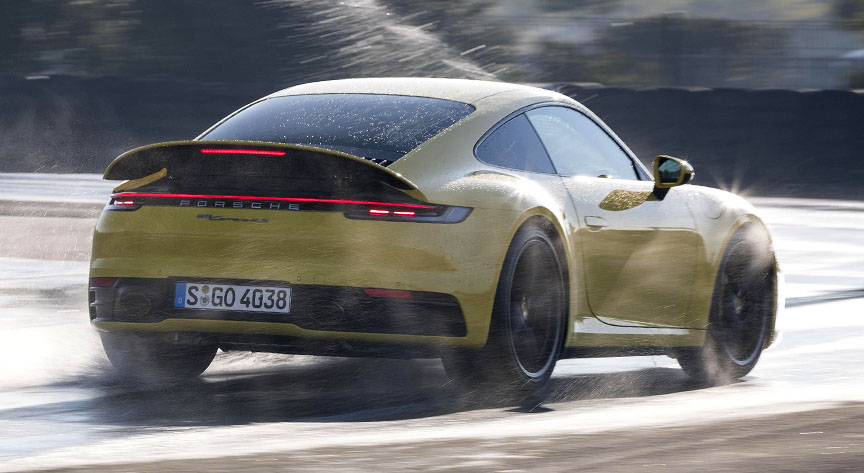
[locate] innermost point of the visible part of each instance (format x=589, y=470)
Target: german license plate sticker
x=189, y=295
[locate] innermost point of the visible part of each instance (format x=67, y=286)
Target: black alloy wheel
x=527, y=327
x=535, y=309
x=740, y=314
x=745, y=296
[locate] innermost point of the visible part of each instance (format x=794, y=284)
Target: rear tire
x=526, y=331
x=740, y=311
x=154, y=358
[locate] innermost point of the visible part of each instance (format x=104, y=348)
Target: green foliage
x=762, y=10
x=662, y=51
x=850, y=13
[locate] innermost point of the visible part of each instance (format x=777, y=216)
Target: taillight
x=432, y=214
x=124, y=204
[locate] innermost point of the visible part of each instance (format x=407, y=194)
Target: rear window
x=379, y=127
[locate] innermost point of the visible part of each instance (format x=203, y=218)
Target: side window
x=515, y=145
x=578, y=146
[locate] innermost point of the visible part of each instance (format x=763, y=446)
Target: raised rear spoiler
x=152, y=162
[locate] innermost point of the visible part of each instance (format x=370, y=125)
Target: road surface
x=801, y=409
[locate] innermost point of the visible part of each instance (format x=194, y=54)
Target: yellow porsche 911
x=499, y=227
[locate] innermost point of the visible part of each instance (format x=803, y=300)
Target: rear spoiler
x=156, y=160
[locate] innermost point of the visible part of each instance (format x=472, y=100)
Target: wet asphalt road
x=800, y=410
x=828, y=440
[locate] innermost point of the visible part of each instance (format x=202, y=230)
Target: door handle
x=595, y=223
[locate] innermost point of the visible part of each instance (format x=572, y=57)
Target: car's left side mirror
x=671, y=172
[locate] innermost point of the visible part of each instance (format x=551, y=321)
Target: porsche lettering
x=238, y=204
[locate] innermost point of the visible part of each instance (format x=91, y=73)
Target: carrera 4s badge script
x=219, y=218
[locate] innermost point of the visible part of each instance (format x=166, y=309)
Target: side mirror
x=671, y=172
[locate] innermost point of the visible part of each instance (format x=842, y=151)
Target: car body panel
x=322, y=248
x=638, y=244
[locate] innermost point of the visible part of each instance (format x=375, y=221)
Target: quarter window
x=578, y=146
x=515, y=145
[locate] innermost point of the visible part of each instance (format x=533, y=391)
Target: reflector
x=389, y=293
x=102, y=282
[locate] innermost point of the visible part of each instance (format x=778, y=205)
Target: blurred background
x=760, y=96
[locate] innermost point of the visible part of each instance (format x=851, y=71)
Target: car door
x=638, y=250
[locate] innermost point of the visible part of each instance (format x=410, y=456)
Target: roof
x=459, y=90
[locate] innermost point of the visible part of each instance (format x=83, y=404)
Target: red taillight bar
x=284, y=199
x=379, y=212
x=124, y=203
x=403, y=213
x=259, y=152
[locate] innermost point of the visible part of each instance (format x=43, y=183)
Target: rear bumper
x=146, y=304
x=323, y=255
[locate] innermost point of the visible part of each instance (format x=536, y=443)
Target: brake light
x=259, y=152
x=123, y=204
x=396, y=213
x=388, y=293
x=436, y=214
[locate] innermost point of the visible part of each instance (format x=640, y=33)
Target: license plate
x=189, y=295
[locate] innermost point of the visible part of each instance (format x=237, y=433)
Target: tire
x=155, y=358
x=741, y=310
x=526, y=331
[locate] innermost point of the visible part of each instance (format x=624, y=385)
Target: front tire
x=740, y=311
x=155, y=358
x=526, y=333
